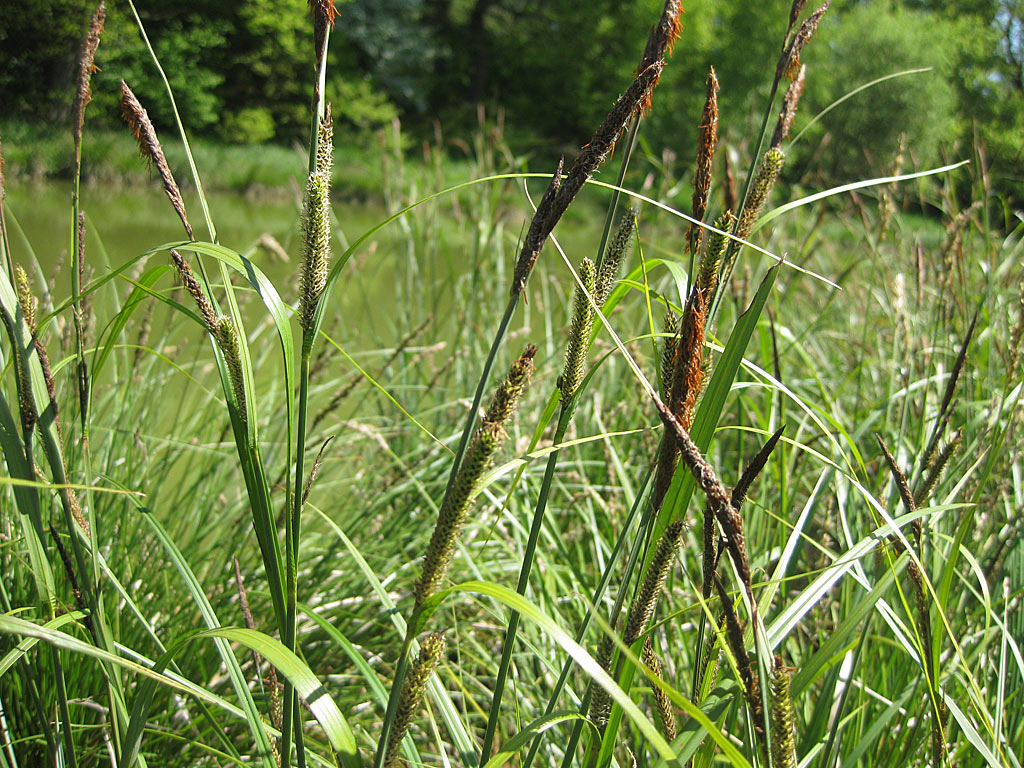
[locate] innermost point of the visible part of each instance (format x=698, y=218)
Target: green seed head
x=579, y=334
x=614, y=256
x=411, y=700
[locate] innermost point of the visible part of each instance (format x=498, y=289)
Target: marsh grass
x=717, y=559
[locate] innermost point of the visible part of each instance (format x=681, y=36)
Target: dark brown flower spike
x=790, y=60
x=788, y=111
x=86, y=66
x=149, y=147
x=707, y=139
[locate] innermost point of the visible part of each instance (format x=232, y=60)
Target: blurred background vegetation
x=240, y=76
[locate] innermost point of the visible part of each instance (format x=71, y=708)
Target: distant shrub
x=254, y=125
x=869, y=42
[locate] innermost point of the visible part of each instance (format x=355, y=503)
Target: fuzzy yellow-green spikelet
x=26, y=300
x=760, y=186
x=316, y=226
x=411, y=699
x=579, y=334
x=613, y=257
x=227, y=339
x=668, y=352
x=479, y=454
x=782, y=719
x=662, y=703
x=711, y=261
x=600, y=701
x=647, y=599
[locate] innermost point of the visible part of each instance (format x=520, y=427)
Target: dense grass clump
x=745, y=492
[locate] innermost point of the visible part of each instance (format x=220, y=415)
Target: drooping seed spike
x=149, y=147
x=195, y=290
x=660, y=42
x=734, y=634
x=707, y=139
x=614, y=255
x=783, y=721
x=764, y=180
x=657, y=571
x=579, y=334
x=902, y=486
x=411, y=699
x=227, y=339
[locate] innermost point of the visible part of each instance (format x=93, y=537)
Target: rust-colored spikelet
x=86, y=66
x=689, y=357
x=942, y=458
x=668, y=351
x=790, y=59
x=707, y=139
x=788, y=111
x=579, y=335
x=149, y=147
x=227, y=339
x=660, y=42
x=323, y=13
x=647, y=598
x=764, y=179
x=479, y=453
x=600, y=701
x=188, y=278
x=782, y=719
x=614, y=255
x=662, y=703
x=316, y=228
x=411, y=699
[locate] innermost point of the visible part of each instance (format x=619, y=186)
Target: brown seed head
x=660, y=43
x=149, y=147
x=707, y=139
x=788, y=111
x=86, y=66
x=789, y=62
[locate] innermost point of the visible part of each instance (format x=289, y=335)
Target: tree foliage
x=240, y=70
